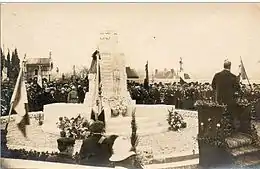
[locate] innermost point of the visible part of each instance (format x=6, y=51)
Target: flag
x=182, y=81
x=93, y=67
x=99, y=78
x=100, y=117
x=183, y=76
x=243, y=74
x=19, y=103
x=98, y=87
x=146, y=80
x=39, y=77
x=146, y=71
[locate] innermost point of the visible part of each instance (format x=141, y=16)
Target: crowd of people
x=183, y=96
x=55, y=92
x=69, y=91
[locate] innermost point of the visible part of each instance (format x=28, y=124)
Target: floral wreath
x=118, y=106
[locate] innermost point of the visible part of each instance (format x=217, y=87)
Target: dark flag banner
x=242, y=70
x=100, y=110
x=101, y=116
x=146, y=72
x=182, y=81
x=93, y=67
x=146, y=80
x=182, y=77
x=19, y=104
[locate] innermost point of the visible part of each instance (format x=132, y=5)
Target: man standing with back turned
x=225, y=85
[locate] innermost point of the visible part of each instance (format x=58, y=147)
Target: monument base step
x=238, y=140
x=244, y=150
x=144, y=132
x=249, y=160
x=176, y=157
x=150, y=118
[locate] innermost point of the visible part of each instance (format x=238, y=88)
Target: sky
x=204, y=35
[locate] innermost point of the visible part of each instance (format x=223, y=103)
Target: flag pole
x=97, y=86
x=242, y=65
x=14, y=93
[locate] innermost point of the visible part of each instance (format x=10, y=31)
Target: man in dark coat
x=97, y=148
x=63, y=95
x=81, y=94
x=225, y=85
x=73, y=95
x=66, y=148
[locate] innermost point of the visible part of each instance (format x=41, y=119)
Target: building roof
x=131, y=73
x=36, y=61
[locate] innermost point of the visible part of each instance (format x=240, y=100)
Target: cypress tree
x=12, y=66
x=15, y=64
x=134, y=142
x=8, y=64
x=2, y=61
x=134, y=136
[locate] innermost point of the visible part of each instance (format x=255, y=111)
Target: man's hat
x=121, y=150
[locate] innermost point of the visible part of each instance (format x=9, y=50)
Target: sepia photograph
x=130, y=85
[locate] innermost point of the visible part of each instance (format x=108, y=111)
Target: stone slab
x=180, y=164
x=174, y=157
x=31, y=164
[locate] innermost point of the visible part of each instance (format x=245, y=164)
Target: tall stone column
x=113, y=71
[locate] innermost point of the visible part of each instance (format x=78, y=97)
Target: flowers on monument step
x=77, y=128
x=118, y=106
x=176, y=121
x=208, y=103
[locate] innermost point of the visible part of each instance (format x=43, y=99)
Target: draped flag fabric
x=100, y=117
x=146, y=80
x=242, y=71
x=39, y=77
x=146, y=72
x=19, y=104
x=93, y=67
x=98, y=113
x=182, y=78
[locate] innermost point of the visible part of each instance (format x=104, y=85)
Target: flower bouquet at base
x=118, y=106
x=77, y=128
x=176, y=121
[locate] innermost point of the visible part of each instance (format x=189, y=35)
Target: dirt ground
x=150, y=146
